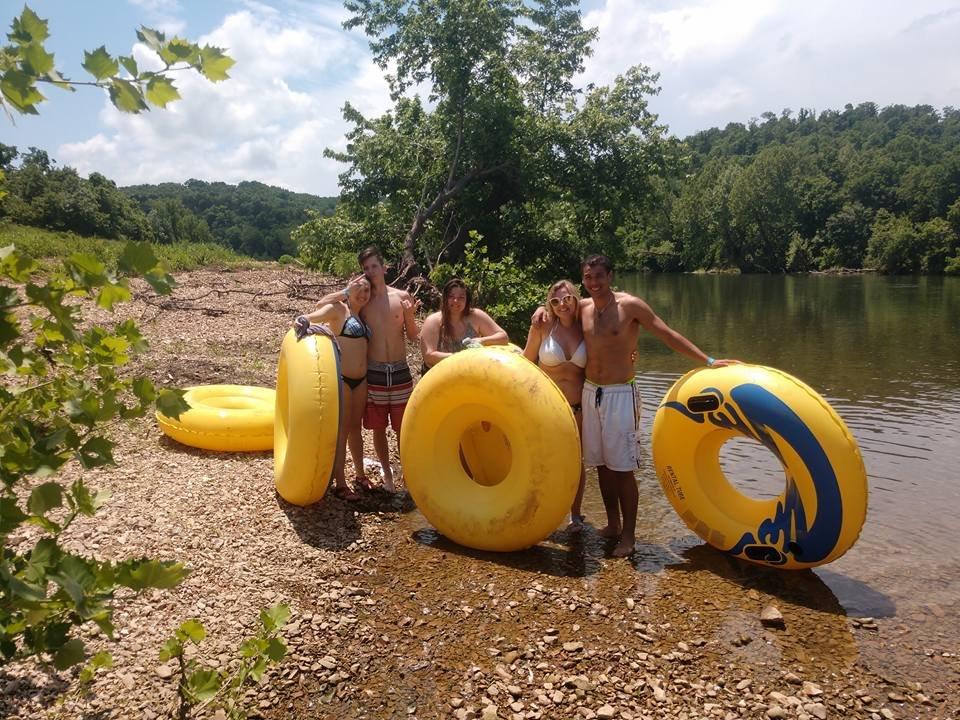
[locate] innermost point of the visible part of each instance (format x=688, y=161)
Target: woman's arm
x=490, y=332
x=334, y=315
x=531, y=350
x=429, y=339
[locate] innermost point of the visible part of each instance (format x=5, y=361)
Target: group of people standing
x=586, y=346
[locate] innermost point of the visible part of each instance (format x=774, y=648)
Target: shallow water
x=885, y=352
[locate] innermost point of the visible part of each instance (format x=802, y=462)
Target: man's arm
x=410, y=326
x=651, y=322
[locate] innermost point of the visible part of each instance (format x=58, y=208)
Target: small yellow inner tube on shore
x=228, y=418
x=308, y=402
x=819, y=514
x=490, y=450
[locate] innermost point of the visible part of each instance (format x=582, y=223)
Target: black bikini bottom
x=353, y=383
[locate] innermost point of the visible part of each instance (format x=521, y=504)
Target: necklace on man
x=611, y=301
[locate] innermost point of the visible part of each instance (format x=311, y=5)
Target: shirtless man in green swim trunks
x=611, y=403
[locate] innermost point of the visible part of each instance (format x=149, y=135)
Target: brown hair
x=597, y=261
x=569, y=287
x=370, y=252
x=444, y=312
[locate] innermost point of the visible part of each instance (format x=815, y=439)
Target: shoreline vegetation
x=864, y=189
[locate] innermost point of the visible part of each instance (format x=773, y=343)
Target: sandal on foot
x=576, y=523
x=345, y=493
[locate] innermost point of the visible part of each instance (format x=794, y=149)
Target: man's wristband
x=710, y=361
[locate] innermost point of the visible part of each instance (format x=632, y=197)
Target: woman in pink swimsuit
x=557, y=346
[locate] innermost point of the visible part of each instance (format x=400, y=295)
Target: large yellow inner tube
x=822, y=508
x=307, y=417
x=231, y=418
x=490, y=450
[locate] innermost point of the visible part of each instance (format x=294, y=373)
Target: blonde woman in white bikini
x=557, y=346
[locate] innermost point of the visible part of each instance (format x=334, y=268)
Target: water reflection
x=886, y=353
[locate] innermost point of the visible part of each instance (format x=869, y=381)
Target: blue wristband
x=710, y=361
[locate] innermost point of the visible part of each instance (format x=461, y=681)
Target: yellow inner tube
x=230, y=418
x=817, y=517
x=490, y=450
x=308, y=402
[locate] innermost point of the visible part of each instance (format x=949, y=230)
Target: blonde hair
x=569, y=287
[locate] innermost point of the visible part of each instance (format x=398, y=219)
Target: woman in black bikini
x=343, y=319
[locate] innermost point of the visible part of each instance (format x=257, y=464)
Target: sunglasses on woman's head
x=566, y=300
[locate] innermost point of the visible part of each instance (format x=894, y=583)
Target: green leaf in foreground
x=142, y=574
x=214, y=64
x=69, y=655
x=100, y=64
x=171, y=403
x=161, y=91
x=126, y=96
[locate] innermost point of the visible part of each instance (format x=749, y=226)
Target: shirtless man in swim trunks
x=390, y=314
x=611, y=403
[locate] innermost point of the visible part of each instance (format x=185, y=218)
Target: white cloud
x=719, y=61
x=726, y=61
x=269, y=122
x=163, y=15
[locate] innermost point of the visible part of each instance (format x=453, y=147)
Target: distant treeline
x=861, y=187
x=251, y=218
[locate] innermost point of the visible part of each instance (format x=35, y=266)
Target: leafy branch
x=201, y=686
x=25, y=63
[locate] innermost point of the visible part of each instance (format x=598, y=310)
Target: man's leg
x=609, y=491
x=383, y=455
x=629, y=500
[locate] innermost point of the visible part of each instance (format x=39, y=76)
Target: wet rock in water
x=771, y=617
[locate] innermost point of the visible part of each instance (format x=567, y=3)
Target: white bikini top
x=551, y=352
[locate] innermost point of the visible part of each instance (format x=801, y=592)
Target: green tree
x=895, y=245
x=505, y=143
x=763, y=206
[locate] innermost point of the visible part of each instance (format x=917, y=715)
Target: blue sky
x=720, y=61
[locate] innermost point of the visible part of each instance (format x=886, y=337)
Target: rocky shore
x=392, y=621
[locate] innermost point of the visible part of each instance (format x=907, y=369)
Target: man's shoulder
x=397, y=292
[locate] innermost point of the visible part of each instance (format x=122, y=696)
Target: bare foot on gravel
x=624, y=548
x=609, y=532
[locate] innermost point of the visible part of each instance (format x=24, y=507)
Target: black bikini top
x=354, y=327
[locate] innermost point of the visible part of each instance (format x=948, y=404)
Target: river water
x=885, y=352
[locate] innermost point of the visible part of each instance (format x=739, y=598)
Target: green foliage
x=829, y=178
x=62, y=386
x=43, y=244
x=503, y=288
x=895, y=245
x=251, y=218
x=506, y=145
x=25, y=62
x=201, y=686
